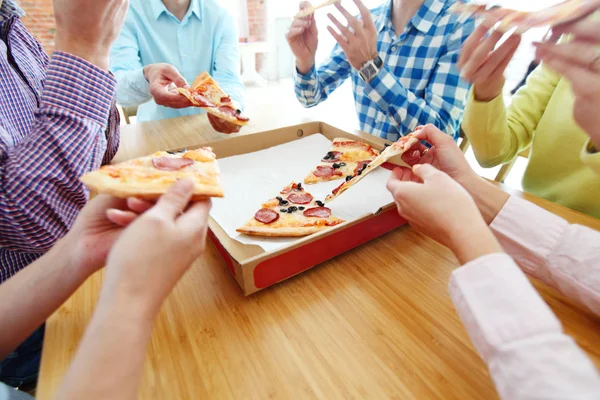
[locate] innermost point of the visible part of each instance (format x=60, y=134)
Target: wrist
x=489, y=198
x=488, y=92
x=305, y=66
x=97, y=56
x=119, y=298
x=473, y=242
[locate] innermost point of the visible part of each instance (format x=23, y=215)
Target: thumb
x=425, y=171
x=172, y=203
x=172, y=74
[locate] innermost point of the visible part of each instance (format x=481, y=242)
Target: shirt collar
x=158, y=8
x=423, y=20
x=10, y=9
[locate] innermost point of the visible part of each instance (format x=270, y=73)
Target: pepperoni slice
x=203, y=100
x=325, y=171
x=318, y=212
x=332, y=156
x=226, y=99
x=266, y=216
x=170, y=163
x=286, y=190
x=361, y=165
x=233, y=112
x=300, y=198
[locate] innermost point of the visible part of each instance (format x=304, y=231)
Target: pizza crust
x=139, y=178
x=281, y=232
x=311, y=10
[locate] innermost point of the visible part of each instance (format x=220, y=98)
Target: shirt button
x=394, y=48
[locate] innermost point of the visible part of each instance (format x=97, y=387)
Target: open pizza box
x=256, y=266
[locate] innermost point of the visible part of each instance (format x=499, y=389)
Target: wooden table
x=376, y=322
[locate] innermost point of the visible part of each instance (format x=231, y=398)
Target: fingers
x=343, y=30
x=338, y=38
x=472, y=43
x=165, y=98
x=297, y=28
x=223, y=126
x=365, y=14
x=305, y=4
x=138, y=205
x=573, y=52
x=413, y=155
x=120, y=217
x=498, y=60
x=433, y=135
x=172, y=74
x=426, y=172
x=172, y=203
x=585, y=29
x=352, y=21
x=480, y=55
x=194, y=221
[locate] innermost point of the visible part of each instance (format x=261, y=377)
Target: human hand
x=223, y=126
x=359, y=38
x=157, y=249
x=163, y=78
x=578, y=61
x=443, y=154
x=87, y=28
x=481, y=64
x=437, y=206
x=97, y=228
x=303, y=38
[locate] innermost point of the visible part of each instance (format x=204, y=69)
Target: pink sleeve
x=566, y=257
x=517, y=335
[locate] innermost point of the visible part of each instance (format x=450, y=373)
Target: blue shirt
x=205, y=39
x=419, y=82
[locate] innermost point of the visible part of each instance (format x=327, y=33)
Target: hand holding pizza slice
x=206, y=93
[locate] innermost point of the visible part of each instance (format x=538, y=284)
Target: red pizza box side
x=269, y=270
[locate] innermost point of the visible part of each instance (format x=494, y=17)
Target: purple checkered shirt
x=57, y=122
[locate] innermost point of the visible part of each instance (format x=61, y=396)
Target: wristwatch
x=371, y=69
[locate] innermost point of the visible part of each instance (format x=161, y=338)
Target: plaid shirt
x=419, y=83
x=53, y=128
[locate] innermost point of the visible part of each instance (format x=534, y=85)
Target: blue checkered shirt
x=419, y=83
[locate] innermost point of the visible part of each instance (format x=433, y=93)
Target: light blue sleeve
x=227, y=62
x=132, y=87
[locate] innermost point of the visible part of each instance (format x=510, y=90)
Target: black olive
x=299, y=187
x=348, y=178
x=279, y=198
x=173, y=152
x=301, y=208
x=385, y=146
x=238, y=112
x=283, y=210
x=360, y=171
x=319, y=203
x=283, y=202
x=292, y=209
x=342, y=164
x=336, y=166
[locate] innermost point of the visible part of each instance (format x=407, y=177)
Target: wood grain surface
x=374, y=323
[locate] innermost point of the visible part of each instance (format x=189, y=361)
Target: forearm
x=40, y=192
x=516, y=333
x=114, y=345
x=315, y=86
x=29, y=298
x=133, y=88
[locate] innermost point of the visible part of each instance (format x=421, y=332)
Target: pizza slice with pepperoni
x=293, y=213
x=344, y=159
x=151, y=176
x=395, y=152
x=206, y=93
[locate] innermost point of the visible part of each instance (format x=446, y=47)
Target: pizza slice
x=344, y=158
x=311, y=10
x=206, y=93
x=395, y=152
x=151, y=176
x=293, y=213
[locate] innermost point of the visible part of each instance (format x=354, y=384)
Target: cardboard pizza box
x=255, y=269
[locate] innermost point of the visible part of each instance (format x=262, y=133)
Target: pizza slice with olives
x=345, y=158
x=395, y=152
x=208, y=95
x=151, y=176
x=293, y=213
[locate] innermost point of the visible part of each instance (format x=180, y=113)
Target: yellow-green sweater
x=561, y=165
